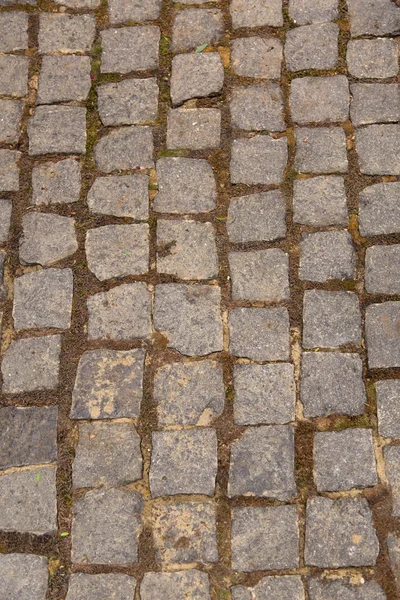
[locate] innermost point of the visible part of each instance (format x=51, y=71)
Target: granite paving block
x=374, y=17
x=5, y=219
x=101, y=587
x=260, y=275
x=374, y=103
x=320, y=201
x=379, y=209
x=46, y=238
x=378, y=149
x=129, y=49
x=196, y=75
x=382, y=273
x=326, y=589
x=271, y=587
x=258, y=217
x=392, y=469
x=13, y=75
x=120, y=196
x=57, y=130
x=194, y=128
x=10, y=122
x=56, y=182
x=176, y=586
x=23, y=576
x=128, y=102
x=319, y=99
x=327, y=255
x=393, y=545
x=257, y=107
x=13, y=31
x=192, y=28
x=120, y=11
x=260, y=159
x=9, y=171
x=261, y=334
x=303, y=12
x=259, y=57
x=312, y=47
x=73, y=85
x=65, y=33
x=388, y=398
x=125, y=148
x=382, y=333
x=372, y=59
x=256, y=13
x=321, y=150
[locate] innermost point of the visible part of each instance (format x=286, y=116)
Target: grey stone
x=183, y=462
x=196, y=75
x=129, y=101
x=106, y=525
x=47, y=238
x=374, y=103
x=193, y=27
x=265, y=538
x=326, y=589
x=264, y=394
x=9, y=171
x=321, y=150
x=5, y=219
x=393, y=544
x=378, y=148
x=392, y=463
x=256, y=13
x=122, y=313
x=65, y=33
x=312, y=47
x=186, y=249
x=129, y=49
x=23, y=2
x=29, y=503
x=382, y=333
x=125, y=148
x=120, y=196
x=379, y=209
x=13, y=75
x=101, y=587
x=176, y=586
x=43, y=299
x=56, y=182
x=57, y=129
x=76, y=4
x=320, y=201
x=271, y=587
x=258, y=107
x=189, y=317
x=340, y=533
x=28, y=435
x=319, y=99
x=185, y=185
x=194, y=128
x=23, y=576
x=372, y=59
x=10, y=121
x=260, y=275
x=331, y=383
x=120, y=11
x=303, y=12
x=106, y=454
x=262, y=463
x=375, y=17
x=261, y=334
x=184, y=532
x=260, y=159
x=326, y=255
x=257, y=57
x=73, y=85
x=388, y=398
x=108, y=385
x=257, y=218
x=13, y=31
x=382, y=274
x=118, y=250
x=31, y=364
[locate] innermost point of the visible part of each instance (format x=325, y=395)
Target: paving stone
x=312, y=47
x=331, y=383
x=262, y=463
x=319, y=99
x=176, y=586
x=340, y=533
x=107, y=454
x=374, y=103
x=320, y=589
x=321, y=150
x=326, y=255
x=375, y=17
x=129, y=49
x=258, y=217
x=120, y=196
x=73, y=85
x=13, y=75
x=265, y=538
x=184, y=532
x=271, y=587
x=56, y=182
x=13, y=31
x=378, y=148
x=9, y=172
x=260, y=159
x=382, y=333
x=5, y=219
x=193, y=27
x=196, y=76
x=392, y=464
x=393, y=544
x=257, y=107
x=65, y=33
x=183, y=462
x=129, y=101
x=256, y=13
x=189, y=317
x=194, y=128
x=57, y=129
x=23, y=576
x=31, y=364
x=260, y=275
x=185, y=185
x=28, y=435
x=320, y=201
x=388, y=396
x=76, y=4
x=186, y=249
x=379, y=209
x=29, y=503
x=108, y=385
x=106, y=525
x=23, y=2
x=303, y=12
x=261, y=334
x=43, y=299
x=382, y=274
x=10, y=122
x=47, y=238
x=125, y=148
x=257, y=57
x=120, y=11
x=101, y=587
x=122, y=313
x=372, y=59
x=264, y=394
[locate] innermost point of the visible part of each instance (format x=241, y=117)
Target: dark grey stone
x=378, y=148
x=257, y=57
x=46, y=238
x=125, y=148
x=65, y=33
x=393, y=544
x=176, y=586
x=23, y=576
x=56, y=182
x=388, y=400
x=260, y=275
x=261, y=334
x=10, y=122
x=303, y=12
x=326, y=589
x=120, y=196
x=120, y=11
x=327, y=255
x=321, y=150
x=392, y=467
x=260, y=159
x=382, y=334
x=193, y=27
x=374, y=17
x=196, y=75
x=101, y=587
x=13, y=31
x=258, y=107
x=128, y=102
x=73, y=85
x=372, y=59
x=129, y=49
x=256, y=13
x=319, y=99
x=9, y=171
x=5, y=219
x=312, y=47
x=382, y=275
x=374, y=103
x=258, y=218
x=320, y=201
x=379, y=210
x=194, y=128
x=13, y=75
x=271, y=587
x=57, y=129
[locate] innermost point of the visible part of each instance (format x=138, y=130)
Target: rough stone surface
x=74, y=85
x=56, y=182
x=257, y=107
x=10, y=122
x=194, y=128
x=120, y=11
x=176, y=586
x=319, y=99
x=388, y=398
x=260, y=275
x=372, y=59
x=320, y=201
x=374, y=17
x=196, y=76
x=256, y=13
x=258, y=218
x=120, y=196
x=9, y=172
x=125, y=148
x=261, y=334
x=382, y=274
x=13, y=75
x=129, y=49
x=193, y=27
x=128, y=102
x=378, y=148
x=23, y=576
x=65, y=33
x=382, y=333
x=5, y=219
x=379, y=210
x=57, y=129
x=312, y=47
x=393, y=544
x=260, y=159
x=320, y=589
x=303, y=12
x=46, y=238
x=257, y=57
x=101, y=587
x=327, y=255
x=13, y=31
x=76, y=4
x=271, y=587
x=392, y=462
x=321, y=150
x=374, y=103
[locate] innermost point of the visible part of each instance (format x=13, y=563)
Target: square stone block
x=13, y=75
x=257, y=107
x=129, y=49
x=256, y=13
x=23, y=576
x=74, y=85
x=65, y=33
x=9, y=171
x=56, y=182
x=257, y=57
x=379, y=209
x=120, y=196
x=260, y=275
x=10, y=123
x=261, y=334
x=378, y=149
x=196, y=75
x=260, y=159
x=120, y=11
x=343, y=589
x=175, y=586
x=375, y=103
x=327, y=255
x=372, y=59
x=101, y=587
x=46, y=238
x=193, y=27
x=13, y=31
x=258, y=217
x=374, y=17
x=128, y=102
x=382, y=334
x=125, y=148
x=320, y=201
x=382, y=274
x=392, y=464
x=388, y=399
x=312, y=47
x=321, y=150
x=57, y=130
x=303, y=12
x=319, y=99
x=273, y=587
x=194, y=128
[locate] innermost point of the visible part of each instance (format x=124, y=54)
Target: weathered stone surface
x=340, y=533
x=193, y=27
x=176, y=586
x=261, y=334
x=122, y=313
x=125, y=148
x=388, y=398
x=256, y=13
x=312, y=47
x=101, y=587
x=9, y=172
x=13, y=31
x=326, y=255
x=129, y=49
x=319, y=99
x=392, y=462
x=183, y=462
x=378, y=148
x=303, y=12
x=326, y=589
x=374, y=17
x=320, y=201
x=128, y=102
x=31, y=364
x=257, y=57
x=393, y=544
x=56, y=182
x=194, y=128
x=10, y=122
x=120, y=11
x=120, y=196
x=331, y=383
x=372, y=59
x=189, y=317
x=265, y=538
x=109, y=384
x=196, y=76
x=57, y=129
x=65, y=33
x=5, y=219
x=382, y=333
x=321, y=150
x=23, y=576
x=260, y=275
x=106, y=525
x=257, y=107
x=382, y=275
x=260, y=159
x=374, y=103
x=73, y=85
x=379, y=210
x=47, y=238
x=13, y=75
x=76, y=4
x=258, y=218
x=271, y=587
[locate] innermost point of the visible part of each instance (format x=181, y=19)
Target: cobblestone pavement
x=200, y=300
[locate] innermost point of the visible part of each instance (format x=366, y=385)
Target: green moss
x=164, y=45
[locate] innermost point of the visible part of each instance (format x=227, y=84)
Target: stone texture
x=340, y=533
x=372, y=59
x=261, y=334
x=260, y=275
x=128, y=102
x=101, y=587
x=74, y=85
x=76, y=4
x=176, y=586
x=379, y=209
x=321, y=150
x=10, y=122
x=106, y=525
x=9, y=172
x=327, y=255
x=13, y=75
x=189, y=317
x=23, y=576
x=120, y=196
x=196, y=75
x=388, y=398
x=331, y=383
x=193, y=27
x=125, y=148
x=378, y=148
x=312, y=47
x=382, y=333
x=320, y=201
x=13, y=31
x=256, y=13
x=258, y=218
x=120, y=11
x=271, y=587
x=57, y=129
x=392, y=462
x=303, y=12
x=5, y=219
x=257, y=57
x=260, y=159
x=382, y=274
x=56, y=182
x=326, y=589
x=374, y=17
x=194, y=128
x=129, y=49
x=257, y=107
x=265, y=538
x=46, y=238
x=393, y=544
x=319, y=99
x=374, y=103
x=65, y=33
x=183, y=462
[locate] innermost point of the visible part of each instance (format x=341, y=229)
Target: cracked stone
x=388, y=397
x=23, y=576
x=129, y=49
x=10, y=122
x=73, y=85
x=374, y=17
x=66, y=33
x=321, y=150
x=261, y=334
x=378, y=148
x=304, y=12
x=193, y=27
x=344, y=590
x=194, y=128
x=258, y=217
x=271, y=587
x=57, y=129
x=120, y=196
x=101, y=587
x=381, y=269
x=260, y=275
x=125, y=148
x=176, y=586
x=9, y=171
x=374, y=103
x=120, y=11
x=320, y=201
x=257, y=57
x=128, y=102
x=5, y=219
x=13, y=31
x=382, y=333
x=260, y=159
x=372, y=59
x=47, y=238
x=319, y=99
x=257, y=107
x=379, y=210
x=196, y=76
x=256, y=13
x=56, y=182
x=327, y=255
x=392, y=462
x=312, y=47
x=13, y=75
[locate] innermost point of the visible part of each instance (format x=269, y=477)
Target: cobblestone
x=121, y=12
x=120, y=196
x=46, y=238
x=312, y=47
x=288, y=586
x=56, y=182
x=319, y=99
x=260, y=275
x=327, y=255
x=176, y=586
x=303, y=12
x=129, y=49
x=65, y=33
x=261, y=334
x=340, y=589
x=260, y=159
x=387, y=396
x=13, y=31
x=321, y=150
x=258, y=107
x=57, y=129
x=320, y=201
x=100, y=587
x=256, y=13
x=381, y=273
x=5, y=219
x=392, y=462
x=257, y=57
x=125, y=148
x=74, y=85
x=379, y=210
x=193, y=27
x=378, y=149
x=258, y=218
x=10, y=123
x=374, y=103
x=374, y=17
x=196, y=76
x=382, y=334
x=194, y=128
x=23, y=576
x=128, y=102
x=13, y=75
x=372, y=59
x=9, y=171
